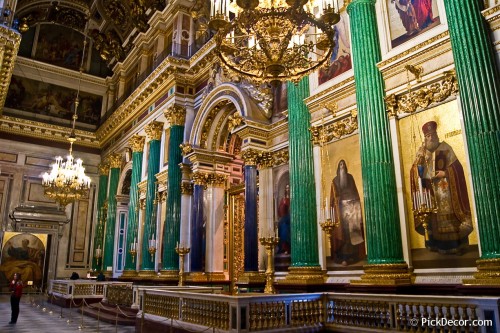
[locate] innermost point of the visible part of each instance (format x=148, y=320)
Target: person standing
x=16, y=291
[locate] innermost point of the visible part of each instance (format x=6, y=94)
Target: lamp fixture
x=67, y=181
x=274, y=40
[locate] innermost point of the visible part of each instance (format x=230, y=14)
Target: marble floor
x=33, y=318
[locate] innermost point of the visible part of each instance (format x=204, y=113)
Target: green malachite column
x=176, y=116
x=385, y=251
x=137, y=144
x=154, y=131
x=115, y=163
x=101, y=217
x=479, y=83
x=303, y=218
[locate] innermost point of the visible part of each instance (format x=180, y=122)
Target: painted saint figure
x=25, y=260
x=438, y=174
x=348, y=244
x=407, y=15
x=284, y=222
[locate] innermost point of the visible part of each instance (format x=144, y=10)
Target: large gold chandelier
x=67, y=181
x=274, y=40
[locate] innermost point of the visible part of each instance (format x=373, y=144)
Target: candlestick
x=182, y=251
x=270, y=243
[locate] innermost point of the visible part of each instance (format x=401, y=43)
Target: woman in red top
x=16, y=291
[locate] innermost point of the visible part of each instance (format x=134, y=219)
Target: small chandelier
x=67, y=181
x=274, y=40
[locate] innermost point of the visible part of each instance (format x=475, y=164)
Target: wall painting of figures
x=342, y=197
x=23, y=253
x=410, y=18
x=436, y=175
x=36, y=100
x=340, y=61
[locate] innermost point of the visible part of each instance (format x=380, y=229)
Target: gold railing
x=120, y=295
x=213, y=314
x=82, y=289
x=337, y=312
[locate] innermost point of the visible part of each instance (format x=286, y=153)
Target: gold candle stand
x=270, y=243
x=182, y=251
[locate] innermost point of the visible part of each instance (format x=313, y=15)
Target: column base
x=488, y=273
x=147, y=274
x=196, y=277
x=128, y=274
x=385, y=275
x=304, y=276
x=169, y=275
x=215, y=276
x=251, y=278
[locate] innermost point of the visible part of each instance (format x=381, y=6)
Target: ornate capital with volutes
x=266, y=160
x=115, y=161
x=234, y=121
x=136, y=142
x=217, y=180
x=251, y=156
x=176, y=115
x=280, y=157
x=186, y=148
x=186, y=188
x=316, y=134
x=200, y=178
x=154, y=130
x=103, y=168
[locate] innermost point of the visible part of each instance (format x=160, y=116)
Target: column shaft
x=99, y=232
x=171, y=230
x=251, y=262
x=379, y=182
x=132, y=235
x=109, y=237
x=151, y=205
x=303, y=225
x=197, y=229
x=479, y=83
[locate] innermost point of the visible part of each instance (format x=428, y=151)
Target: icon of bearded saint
x=437, y=171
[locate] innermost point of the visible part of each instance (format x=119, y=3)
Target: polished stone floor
x=33, y=318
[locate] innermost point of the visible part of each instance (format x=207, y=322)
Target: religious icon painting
x=437, y=189
x=23, y=253
x=281, y=209
x=342, y=202
x=340, y=60
x=410, y=18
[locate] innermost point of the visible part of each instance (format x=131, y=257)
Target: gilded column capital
x=186, y=148
x=103, y=168
x=186, y=188
x=154, y=130
x=217, y=180
x=280, y=157
x=316, y=134
x=115, y=161
x=266, y=160
x=251, y=156
x=200, y=178
x=136, y=142
x=176, y=115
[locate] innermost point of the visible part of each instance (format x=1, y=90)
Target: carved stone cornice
x=216, y=180
x=103, y=168
x=176, y=115
x=186, y=188
x=154, y=130
x=45, y=131
x=136, y=142
x=115, y=161
x=186, y=148
x=341, y=127
x=409, y=102
x=251, y=156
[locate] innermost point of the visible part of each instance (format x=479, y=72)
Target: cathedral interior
x=358, y=191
